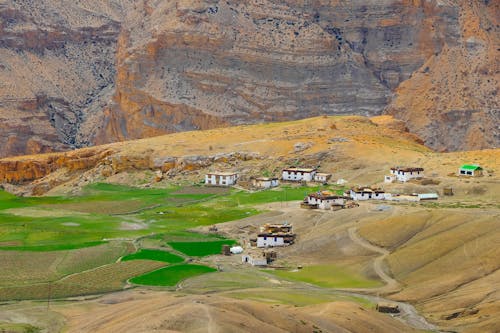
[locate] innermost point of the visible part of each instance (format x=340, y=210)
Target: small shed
x=472, y=170
x=387, y=307
x=321, y=177
x=448, y=191
x=226, y=250
x=254, y=259
x=428, y=196
x=265, y=182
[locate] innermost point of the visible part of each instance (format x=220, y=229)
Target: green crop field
x=170, y=276
x=46, y=238
x=157, y=255
x=201, y=249
x=106, y=211
x=329, y=276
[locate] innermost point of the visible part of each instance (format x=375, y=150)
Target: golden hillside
x=355, y=148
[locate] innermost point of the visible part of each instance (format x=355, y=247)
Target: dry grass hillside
x=441, y=256
x=358, y=149
x=165, y=312
x=447, y=261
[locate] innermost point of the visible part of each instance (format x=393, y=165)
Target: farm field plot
x=171, y=275
x=103, y=279
x=329, y=276
x=58, y=223
x=46, y=238
x=201, y=249
x=157, y=255
x=24, y=267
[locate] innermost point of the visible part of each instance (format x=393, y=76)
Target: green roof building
x=472, y=170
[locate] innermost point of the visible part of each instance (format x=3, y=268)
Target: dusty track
x=409, y=314
x=378, y=264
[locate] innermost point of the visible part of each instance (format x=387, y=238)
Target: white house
x=254, y=260
x=221, y=178
x=321, y=177
x=472, y=170
x=270, y=240
x=366, y=193
x=265, y=182
x=274, y=239
x=299, y=174
x=404, y=174
x=325, y=200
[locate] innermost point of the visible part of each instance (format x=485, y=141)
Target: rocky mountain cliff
x=79, y=73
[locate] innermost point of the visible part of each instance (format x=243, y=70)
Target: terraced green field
x=157, y=255
x=200, y=249
x=170, y=276
x=45, y=239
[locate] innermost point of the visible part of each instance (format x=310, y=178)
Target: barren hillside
x=440, y=256
x=79, y=73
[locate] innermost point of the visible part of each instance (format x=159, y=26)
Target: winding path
x=378, y=264
x=408, y=313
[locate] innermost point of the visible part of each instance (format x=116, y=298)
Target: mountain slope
x=81, y=73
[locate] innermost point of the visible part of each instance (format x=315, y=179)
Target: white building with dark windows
x=404, y=174
x=221, y=179
x=274, y=239
x=366, y=193
x=472, y=170
x=299, y=174
x=325, y=200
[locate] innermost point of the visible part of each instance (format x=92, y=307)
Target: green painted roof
x=471, y=167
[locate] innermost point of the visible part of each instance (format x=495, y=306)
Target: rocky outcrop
x=86, y=73
x=36, y=167
x=242, y=62
x=452, y=101
x=56, y=70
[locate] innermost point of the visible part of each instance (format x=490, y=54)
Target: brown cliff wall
x=452, y=101
x=85, y=73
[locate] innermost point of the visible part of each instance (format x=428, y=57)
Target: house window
x=265, y=238
x=275, y=239
x=469, y=172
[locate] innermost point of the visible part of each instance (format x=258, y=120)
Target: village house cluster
x=271, y=236
x=291, y=174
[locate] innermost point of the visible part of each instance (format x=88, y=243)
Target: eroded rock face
x=452, y=101
x=78, y=73
x=56, y=68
